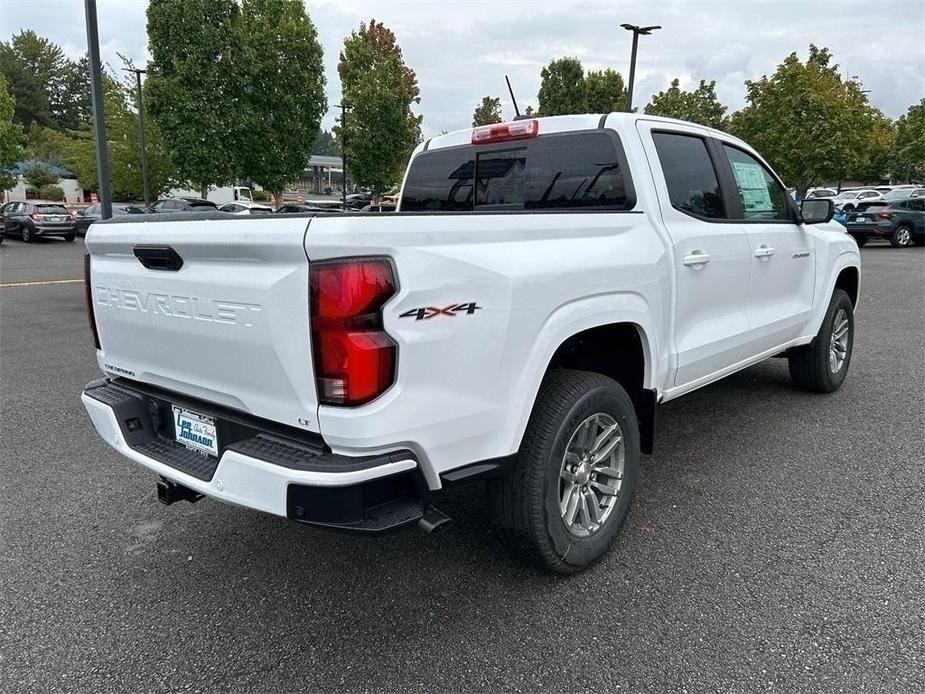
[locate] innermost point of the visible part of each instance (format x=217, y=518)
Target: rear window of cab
x=584, y=170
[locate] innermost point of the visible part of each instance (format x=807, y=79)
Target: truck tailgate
x=229, y=326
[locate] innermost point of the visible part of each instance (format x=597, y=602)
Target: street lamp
x=637, y=30
x=104, y=185
x=344, y=107
x=141, y=120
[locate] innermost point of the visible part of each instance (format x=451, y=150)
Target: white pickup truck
x=544, y=286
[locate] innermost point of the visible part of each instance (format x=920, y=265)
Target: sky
x=462, y=50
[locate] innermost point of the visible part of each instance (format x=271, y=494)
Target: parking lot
x=776, y=543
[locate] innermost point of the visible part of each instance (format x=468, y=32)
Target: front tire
x=902, y=237
x=822, y=365
x=565, y=500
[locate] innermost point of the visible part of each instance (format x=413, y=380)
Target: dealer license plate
x=195, y=431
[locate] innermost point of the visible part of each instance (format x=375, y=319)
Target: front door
x=782, y=260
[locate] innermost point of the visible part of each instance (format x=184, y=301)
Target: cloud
x=461, y=51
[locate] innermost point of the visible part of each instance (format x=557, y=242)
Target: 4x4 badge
x=428, y=312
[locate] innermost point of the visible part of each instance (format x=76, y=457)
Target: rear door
x=782, y=263
x=711, y=254
x=228, y=323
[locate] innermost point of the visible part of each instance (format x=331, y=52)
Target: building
x=67, y=181
x=322, y=176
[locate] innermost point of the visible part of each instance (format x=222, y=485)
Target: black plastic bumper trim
x=146, y=422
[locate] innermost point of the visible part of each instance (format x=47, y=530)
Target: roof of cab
x=558, y=124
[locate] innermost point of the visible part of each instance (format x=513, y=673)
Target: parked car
x=904, y=193
x=183, y=205
x=344, y=377
x=300, y=208
x=901, y=222
x=357, y=201
x=35, y=219
x=245, y=207
x=847, y=200
x=814, y=193
x=335, y=205
x=93, y=213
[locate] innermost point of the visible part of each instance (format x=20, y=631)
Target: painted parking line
x=38, y=284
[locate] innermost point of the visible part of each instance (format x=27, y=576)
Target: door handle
x=696, y=259
x=764, y=251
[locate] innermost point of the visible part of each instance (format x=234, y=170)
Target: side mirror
x=817, y=210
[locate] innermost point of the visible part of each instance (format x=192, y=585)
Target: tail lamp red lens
x=88, y=291
x=883, y=215
x=354, y=356
x=502, y=132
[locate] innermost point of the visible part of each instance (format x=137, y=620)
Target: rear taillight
x=354, y=357
x=34, y=216
x=502, y=132
x=88, y=291
x=883, y=215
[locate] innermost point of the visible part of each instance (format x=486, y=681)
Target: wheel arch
x=849, y=279
x=583, y=342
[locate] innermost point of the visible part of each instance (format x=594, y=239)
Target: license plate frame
x=196, y=431
x=860, y=220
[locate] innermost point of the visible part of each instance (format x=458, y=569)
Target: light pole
x=344, y=107
x=99, y=119
x=141, y=121
x=637, y=31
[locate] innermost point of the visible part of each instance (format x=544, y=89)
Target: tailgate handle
x=158, y=257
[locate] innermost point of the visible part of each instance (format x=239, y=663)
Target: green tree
x=326, y=145
x=24, y=78
x=38, y=175
x=908, y=151
x=281, y=117
x=193, y=88
x=809, y=124
x=381, y=130
x=488, y=112
x=698, y=106
x=875, y=164
x=562, y=88
x=10, y=137
x=605, y=91
x=51, y=192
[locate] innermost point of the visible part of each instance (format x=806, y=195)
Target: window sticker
x=753, y=189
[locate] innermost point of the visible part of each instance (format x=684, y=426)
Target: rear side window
x=689, y=174
x=560, y=171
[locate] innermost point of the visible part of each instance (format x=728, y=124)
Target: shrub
x=51, y=192
x=260, y=195
x=38, y=176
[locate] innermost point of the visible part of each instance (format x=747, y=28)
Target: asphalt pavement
x=777, y=543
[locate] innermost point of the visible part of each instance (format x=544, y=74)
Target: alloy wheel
x=591, y=474
x=838, y=344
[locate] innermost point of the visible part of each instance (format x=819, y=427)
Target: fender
x=574, y=317
x=844, y=259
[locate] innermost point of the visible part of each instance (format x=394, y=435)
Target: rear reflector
x=88, y=292
x=354, y=357
x=502, y=132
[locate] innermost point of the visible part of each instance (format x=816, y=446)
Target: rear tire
x=69, y=238
x=822, y=365
x=861, y=241
x=902, y=237
x=27, y=235
x=563, y=503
